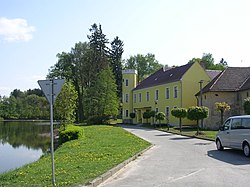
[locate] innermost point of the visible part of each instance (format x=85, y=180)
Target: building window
x=139, y=97
x=147, y=96
x=156, y=110
x=134, y=98
x=167, y=93
x=126, y=113
x=156, y=94
x=175, y=106
x=126, y=82
x=126, y=98
x=247, y=94
x=167, y=111
x=175, y=92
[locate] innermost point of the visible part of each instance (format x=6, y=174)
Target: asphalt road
x=182, y=161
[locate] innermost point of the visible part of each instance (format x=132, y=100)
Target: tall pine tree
x=116, y=62
x=99, y=50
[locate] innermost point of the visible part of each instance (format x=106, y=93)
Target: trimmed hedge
x=70, y=132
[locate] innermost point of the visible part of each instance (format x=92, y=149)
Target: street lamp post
x=200, y=82
x=156, y=102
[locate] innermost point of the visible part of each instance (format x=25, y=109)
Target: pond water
x=22, y=143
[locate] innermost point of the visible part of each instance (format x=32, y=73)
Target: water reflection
x=22, y=143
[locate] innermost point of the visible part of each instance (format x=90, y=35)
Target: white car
x=235, y=133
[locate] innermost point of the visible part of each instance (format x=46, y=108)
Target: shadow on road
x=204, y=143
x=231, y=156
x=164, y=134
x=181, y=138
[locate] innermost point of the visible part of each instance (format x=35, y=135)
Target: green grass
x=79, y=161
x=192, y=132
x=187, y=131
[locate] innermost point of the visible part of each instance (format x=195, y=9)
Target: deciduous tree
x=196, y=113
x=222, y=107
x=65, y=105
x=160, y=116
x=144, y=64
x=101, y=99
x=146, y=115
x=179, y=113
x=207, y=61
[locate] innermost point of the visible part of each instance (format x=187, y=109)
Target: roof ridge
x=244, y=82
x=217, y=79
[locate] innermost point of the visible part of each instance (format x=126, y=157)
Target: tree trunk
x=221, y=117
x=197, y=133
x=180, y=125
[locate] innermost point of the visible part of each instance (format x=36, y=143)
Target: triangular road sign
x=51, y=88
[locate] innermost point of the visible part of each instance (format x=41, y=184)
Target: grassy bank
x=79, y=161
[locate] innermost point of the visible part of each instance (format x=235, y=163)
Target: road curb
x=115, y=169
x=201, y=138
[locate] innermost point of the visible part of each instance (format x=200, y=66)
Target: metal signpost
x=51, y=89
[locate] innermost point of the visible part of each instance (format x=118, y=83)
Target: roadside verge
x=114, y=170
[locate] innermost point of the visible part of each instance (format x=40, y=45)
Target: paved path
x=182, y=161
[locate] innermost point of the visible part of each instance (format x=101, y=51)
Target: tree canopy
x=196, y=113
x=65, y=105
x=222, y=107
x=86, y=65
x=207, y=61
x=179, y=113
x=29, y=104
x=144, y=64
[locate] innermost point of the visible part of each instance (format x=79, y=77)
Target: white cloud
x=15, y=29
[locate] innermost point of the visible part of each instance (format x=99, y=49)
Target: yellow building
x=162, y=91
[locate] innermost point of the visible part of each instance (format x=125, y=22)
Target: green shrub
x=247, y=105
x=95, y=119
x=132, y=115
x=146, y=115
x=70, y=132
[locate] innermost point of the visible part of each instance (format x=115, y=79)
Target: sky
x=33, y=32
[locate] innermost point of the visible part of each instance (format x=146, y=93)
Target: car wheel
x=218, y=145
x=246, y=149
